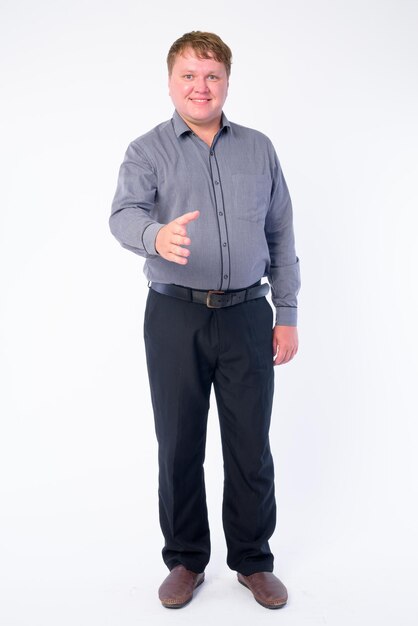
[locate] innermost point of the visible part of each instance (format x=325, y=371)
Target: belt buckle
x=208, y=296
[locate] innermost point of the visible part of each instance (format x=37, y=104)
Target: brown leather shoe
x=177, y=589
x=266, y=588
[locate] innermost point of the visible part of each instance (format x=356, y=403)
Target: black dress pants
x=189, y=347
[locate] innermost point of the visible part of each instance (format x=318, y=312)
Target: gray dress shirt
x=245, y=228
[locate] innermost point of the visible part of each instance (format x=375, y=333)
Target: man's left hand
x=285, y=344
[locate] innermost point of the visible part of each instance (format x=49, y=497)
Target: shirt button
x=224, y=244
x=225, y=276
x=211, y=153
x=216, y=182
x=220, y=213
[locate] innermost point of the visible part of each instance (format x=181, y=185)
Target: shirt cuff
x=148, y=238
x=286, y=316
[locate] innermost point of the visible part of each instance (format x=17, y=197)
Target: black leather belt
x=213, y=299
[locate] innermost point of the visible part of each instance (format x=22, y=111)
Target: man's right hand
x=172, y=237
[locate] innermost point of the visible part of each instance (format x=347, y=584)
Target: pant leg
x=244, y=382
x=178, y=349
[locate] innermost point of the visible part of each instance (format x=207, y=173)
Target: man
x=205, y=202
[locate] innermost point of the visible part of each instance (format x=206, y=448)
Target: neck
x=206, y=132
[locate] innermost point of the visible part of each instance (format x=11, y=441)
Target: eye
x=212, y=77
x=188, y=76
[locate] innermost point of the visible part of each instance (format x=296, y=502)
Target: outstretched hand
x=173, y=236
x=285, y=344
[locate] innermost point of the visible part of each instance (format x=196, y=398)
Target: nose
x=200, y=85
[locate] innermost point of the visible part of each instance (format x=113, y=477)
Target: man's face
x=198, y=89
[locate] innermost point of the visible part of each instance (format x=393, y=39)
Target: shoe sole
x=266, y=606
x=182, y=604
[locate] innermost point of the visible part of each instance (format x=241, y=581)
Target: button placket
x=220, y=213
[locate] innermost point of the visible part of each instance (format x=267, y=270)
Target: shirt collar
x=180, y=126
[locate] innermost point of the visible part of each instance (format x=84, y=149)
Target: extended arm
x=131, y=221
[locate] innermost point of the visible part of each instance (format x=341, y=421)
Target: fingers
x=285, y=344
x=178, y=254
x=174, y=245
x=284, y=355
x=180, y=240
x=173, y=236
x=176, y=259
x=187, y=217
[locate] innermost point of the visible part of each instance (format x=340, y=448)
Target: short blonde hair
x=205, y=45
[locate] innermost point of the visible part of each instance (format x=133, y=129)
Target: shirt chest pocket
x=251, y=194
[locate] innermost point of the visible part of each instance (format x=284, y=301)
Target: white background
x=334, y=85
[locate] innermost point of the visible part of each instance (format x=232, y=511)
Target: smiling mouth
x=200, y=99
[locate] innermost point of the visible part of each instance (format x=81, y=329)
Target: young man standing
x=205, y=202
